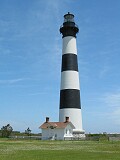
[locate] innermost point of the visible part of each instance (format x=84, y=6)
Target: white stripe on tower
x=70, y=80
x=70, y=105
x=69, y=45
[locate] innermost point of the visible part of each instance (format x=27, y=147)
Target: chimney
x=47, y=119
x=66, y=119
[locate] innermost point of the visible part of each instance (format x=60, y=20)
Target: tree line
x=7, y=130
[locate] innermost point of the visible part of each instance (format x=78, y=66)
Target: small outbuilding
x=57, y=130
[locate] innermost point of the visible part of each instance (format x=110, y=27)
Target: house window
x=55, y=135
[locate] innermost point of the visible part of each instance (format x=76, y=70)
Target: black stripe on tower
x=69, y=62
x=70, y=98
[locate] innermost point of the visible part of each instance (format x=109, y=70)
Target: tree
x=28, y=131
x=6, y=130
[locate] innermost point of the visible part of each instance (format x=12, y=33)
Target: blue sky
x=30, y=62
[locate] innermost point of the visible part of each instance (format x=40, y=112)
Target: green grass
x=58, y=150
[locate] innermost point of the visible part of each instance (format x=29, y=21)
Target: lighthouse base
x=78, y=134
x=75, y=116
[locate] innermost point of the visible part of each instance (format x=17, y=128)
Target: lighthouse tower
x=70, y=105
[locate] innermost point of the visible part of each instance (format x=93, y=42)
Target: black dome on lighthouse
x=69, y=28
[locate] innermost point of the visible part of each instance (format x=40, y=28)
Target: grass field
x=58, y=150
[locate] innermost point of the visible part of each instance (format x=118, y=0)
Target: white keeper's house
x=57, y=130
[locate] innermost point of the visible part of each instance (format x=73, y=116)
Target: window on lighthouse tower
x=69, y=17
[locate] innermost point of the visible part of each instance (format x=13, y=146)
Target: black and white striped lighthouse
x=70, y=105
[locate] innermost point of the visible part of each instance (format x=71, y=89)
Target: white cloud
x=104, y=71
x=112, y=102
x=11, y=81
x=112, y=99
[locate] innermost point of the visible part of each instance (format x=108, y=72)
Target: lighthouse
x=70, y=104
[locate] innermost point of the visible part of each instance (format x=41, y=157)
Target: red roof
x=53, y=125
